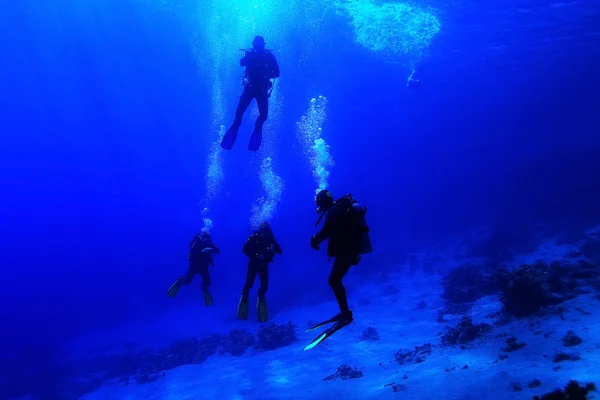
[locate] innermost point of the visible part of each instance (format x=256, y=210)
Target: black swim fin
x=174, y=288
x=255, y=140
x=262, y=311
x=341, y=321
x=208, y=299
x=331, y=320
x=242, y=311
x=229, y=138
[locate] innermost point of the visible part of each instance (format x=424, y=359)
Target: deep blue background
x=103, y=114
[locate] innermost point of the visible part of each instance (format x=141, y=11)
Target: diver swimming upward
x=261, y=66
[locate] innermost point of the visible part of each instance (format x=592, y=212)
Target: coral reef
x=534, y=383
x=237, y=342
x=512, y=345
x=573, y=391
x=465, y=332
x=416, y=356
x=591, y=249
x=370, y=334
x=468, y=283
x=561, y=356
x=345, y=371
x=530, y=288
x=272, y=336
x=571, y=339
x=396, y=387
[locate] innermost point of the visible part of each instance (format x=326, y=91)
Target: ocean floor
x=403, y=318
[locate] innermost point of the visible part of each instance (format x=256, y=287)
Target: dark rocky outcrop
x=573, y=391
x=370, y=334
x=530, y=288
x=571, y=339
x=465, y=332
x=272, y=336
x=416, y=356
x=512, y=345
x=345, y=371
x=468, y=283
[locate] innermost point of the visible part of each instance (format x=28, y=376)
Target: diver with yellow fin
x=261, y=66
x=346, y=228
x=260, y=247
x=200, y=258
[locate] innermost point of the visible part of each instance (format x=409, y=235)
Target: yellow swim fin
x=242, y=311
x=262, y=311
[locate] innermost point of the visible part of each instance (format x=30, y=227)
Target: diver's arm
x=328, y=226
x=277, y=246
x=215, y=249
x=243, y=60
x=247, y=248
x=274, y=67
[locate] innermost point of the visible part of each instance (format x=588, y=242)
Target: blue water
x=111, y=115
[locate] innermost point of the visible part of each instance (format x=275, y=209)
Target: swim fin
x=208, y=299
x=255, y=140
x=229, y=138
x=174, y=289
x=242, y=311
x=342, y=321
x=262, y=311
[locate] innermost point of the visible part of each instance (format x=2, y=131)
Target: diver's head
x=204, y=235
x=324, y=201
x=258, y=43
x=264, y=227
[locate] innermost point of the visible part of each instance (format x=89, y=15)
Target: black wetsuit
x=342, y=246
x=261, y=66
x=199, y=261
x=260, y=248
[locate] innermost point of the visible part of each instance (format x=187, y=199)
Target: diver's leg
x=250, y=277
x=245, y=99
x=192, y=270
x=262, y=101
x=340, y=268
x=231, y=135
x=263, y=274
x=203, y=270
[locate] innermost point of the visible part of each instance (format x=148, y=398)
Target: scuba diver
x=260, y=247
x=199, y=257
x=346, y=228
x=261, y=66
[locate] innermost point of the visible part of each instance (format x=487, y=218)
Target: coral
x=396, y=387
x=237, y=342
x=345, y=371
x=571, y=339
x=573, y=391
x=272, y=336
x=534, y=383
x=416, y=356
x=468, y=283
x=512, y=344
x=465, y=332
x=591, y=249
x=370, y=334
x=562, y=356
x=530, y=288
